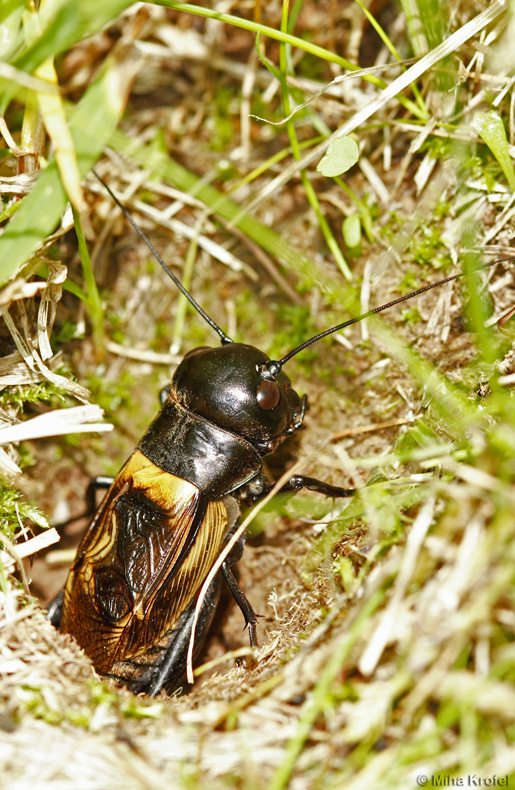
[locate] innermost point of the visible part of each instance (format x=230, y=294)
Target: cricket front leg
x=296, y=483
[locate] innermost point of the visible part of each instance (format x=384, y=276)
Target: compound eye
x=268, y=394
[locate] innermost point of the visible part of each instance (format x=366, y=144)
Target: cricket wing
x=144, y=557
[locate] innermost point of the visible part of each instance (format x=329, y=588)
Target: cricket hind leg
x=169, y=669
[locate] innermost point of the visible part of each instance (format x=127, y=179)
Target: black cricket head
x=226, y=385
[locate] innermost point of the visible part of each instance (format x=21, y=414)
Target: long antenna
x=225, y=338
x=272, y=368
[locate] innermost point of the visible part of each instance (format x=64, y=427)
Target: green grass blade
x=63, y=23
x=10, y=25
x=318, y=699
x=391, y=48
x=491, y=129
x=91, y=125
x=486, y=17
x=285, y=67
x=287, y=38
x=93, y=300
x=256, y=27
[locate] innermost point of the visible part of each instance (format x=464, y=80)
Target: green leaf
x=53, y=112
x=341, y=155
x=10, y=27
x=36, y=516
x=351, y=230
x=490, y=128
x=63, y=23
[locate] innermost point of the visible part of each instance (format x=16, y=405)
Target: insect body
x=168, y=512
x=131, y=592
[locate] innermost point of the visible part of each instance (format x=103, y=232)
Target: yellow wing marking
x=127, y=586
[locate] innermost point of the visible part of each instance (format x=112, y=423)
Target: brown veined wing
x=146, y=553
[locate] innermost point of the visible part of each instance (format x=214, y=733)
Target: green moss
x=13, y=508
x=43, y=705
x=44, y=392
x=426, y=246
x=411, y=316
x=410, y=282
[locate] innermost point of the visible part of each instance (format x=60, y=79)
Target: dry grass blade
x=78, y=419
x=13, y=555
x=33, y=360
